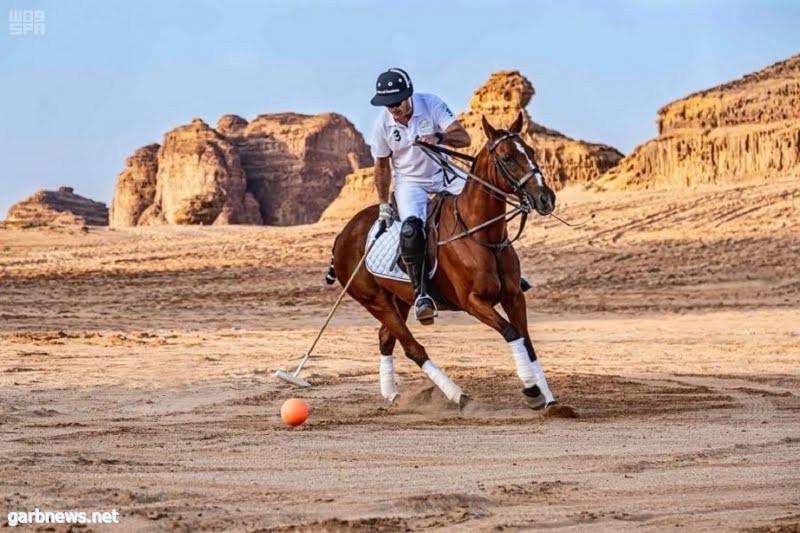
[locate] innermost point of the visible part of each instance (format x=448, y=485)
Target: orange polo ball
x=294, y=412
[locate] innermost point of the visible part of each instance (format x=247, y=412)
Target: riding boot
x=424, y=308
x=412, y=250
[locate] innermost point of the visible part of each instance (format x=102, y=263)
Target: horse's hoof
x=534, y=398
x=556, y=410
x=464, y=401
x=390, y=405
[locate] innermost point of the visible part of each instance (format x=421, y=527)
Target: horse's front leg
x=537, y=391
x=515, y=332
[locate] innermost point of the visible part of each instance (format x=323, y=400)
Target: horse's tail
x=330, y=276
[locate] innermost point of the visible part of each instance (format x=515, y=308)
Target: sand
x=136, y=374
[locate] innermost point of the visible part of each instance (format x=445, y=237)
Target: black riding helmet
x=392, y=87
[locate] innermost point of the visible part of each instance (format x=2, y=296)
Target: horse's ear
x=490, y=132
x=516, y=127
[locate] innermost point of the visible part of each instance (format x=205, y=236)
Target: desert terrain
x=136, y=373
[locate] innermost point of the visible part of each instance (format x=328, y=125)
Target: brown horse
x=475, y=271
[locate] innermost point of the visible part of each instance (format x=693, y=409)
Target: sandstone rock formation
x=231, y=125
x=501, y=98
x=743, y=130
x=136, y=187
x=200, y=178
x=58, y=207
x=279, y=169
x=562, y=159
x=358, y=192
x=296, y=164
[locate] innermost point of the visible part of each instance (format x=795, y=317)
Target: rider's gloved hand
x=386, y=214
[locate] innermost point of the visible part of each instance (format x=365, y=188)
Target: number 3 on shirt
x=396, y=135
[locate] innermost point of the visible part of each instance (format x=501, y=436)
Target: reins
x=523, y=207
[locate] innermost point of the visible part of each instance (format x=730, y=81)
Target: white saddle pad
x=382, y=259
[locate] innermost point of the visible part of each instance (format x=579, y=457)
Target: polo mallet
x=294, y=378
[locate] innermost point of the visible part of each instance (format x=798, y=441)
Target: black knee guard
x=412, y=238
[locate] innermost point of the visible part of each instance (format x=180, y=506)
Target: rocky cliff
x=58, y=207
x=744, y=130
x=200, y=179
x=562, y=159
x=136, y=187
x=279, y=169
x=357, y=193
x=296, y=164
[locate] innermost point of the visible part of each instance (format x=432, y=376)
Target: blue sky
x=109, y=77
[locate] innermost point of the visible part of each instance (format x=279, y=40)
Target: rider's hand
x=386, y=214
x=430, y=139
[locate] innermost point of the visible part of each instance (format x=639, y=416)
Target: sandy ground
x=136, y=374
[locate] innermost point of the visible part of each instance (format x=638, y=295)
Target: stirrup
x=425, y=309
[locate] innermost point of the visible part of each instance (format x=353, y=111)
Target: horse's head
x=515, y=167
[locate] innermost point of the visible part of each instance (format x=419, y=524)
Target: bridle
x=516, y=185
x=524, y=207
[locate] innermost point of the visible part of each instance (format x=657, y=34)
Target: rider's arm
x=456, y=136
x=383, y=178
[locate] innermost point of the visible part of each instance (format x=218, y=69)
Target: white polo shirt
x=390, y=138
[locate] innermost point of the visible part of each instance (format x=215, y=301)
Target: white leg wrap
x=542, y=381
x=388, y=383
x=445, y=384
x=523, y=362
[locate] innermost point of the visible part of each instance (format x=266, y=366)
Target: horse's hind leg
x=387, y=341
x=382, y=307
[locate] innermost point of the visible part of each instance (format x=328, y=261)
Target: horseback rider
x=407, y=116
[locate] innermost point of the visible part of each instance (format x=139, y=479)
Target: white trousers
x=412, y=196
